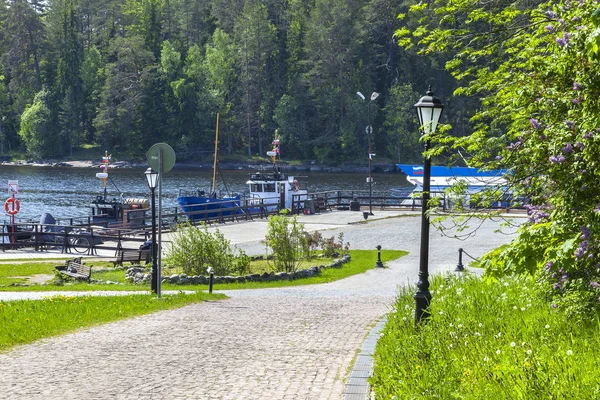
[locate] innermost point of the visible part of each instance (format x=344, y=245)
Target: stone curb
x=357, y=387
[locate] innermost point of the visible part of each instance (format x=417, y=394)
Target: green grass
x=361, y=261
x=486, y=340
x=25, y=321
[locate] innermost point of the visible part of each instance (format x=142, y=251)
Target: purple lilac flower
x=548, y=266
x=535, y=123
x=560, y=42
x=597, y=209
x=550, y=14
x=536, y=215
x=576, y=19
x=557, y=286
x=576, y=86
x=568, y=149
x=553, y=305
x=594, y=284
x=580, y=145
x=570, y=124
x=553, y=159
x=580, y=251
x=576, y=100
x=588, y=135
x=585, y=232
x=549, y=28
x=560, y=158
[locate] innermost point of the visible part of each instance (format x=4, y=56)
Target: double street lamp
x=152, y=180
x=369, y=131
x=429, y=110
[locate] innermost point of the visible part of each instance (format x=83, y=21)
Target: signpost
x=12, y=205
x=161, y=158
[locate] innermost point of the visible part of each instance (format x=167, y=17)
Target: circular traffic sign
x=165, y=151
x=369, y=129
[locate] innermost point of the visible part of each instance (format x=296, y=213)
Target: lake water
x=68, y=192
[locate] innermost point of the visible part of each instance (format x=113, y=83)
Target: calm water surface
x=68, y=192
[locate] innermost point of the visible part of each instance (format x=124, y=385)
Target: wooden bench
x=75, y=268
x=132, y=256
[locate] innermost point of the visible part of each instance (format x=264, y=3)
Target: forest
x=125, y=74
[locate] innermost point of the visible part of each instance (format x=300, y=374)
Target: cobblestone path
x=290, y=343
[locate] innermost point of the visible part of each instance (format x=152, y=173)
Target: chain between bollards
x=378, y=264
x=460, y=267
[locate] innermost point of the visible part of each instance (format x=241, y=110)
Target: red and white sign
x=13, y=188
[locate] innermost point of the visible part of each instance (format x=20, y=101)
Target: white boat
x=443, y=178
x=275, y=189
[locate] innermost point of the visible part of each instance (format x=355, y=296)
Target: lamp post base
x=422, y=300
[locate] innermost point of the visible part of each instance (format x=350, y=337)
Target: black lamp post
x=152, y=179
x=429, y=109
x=369, y=131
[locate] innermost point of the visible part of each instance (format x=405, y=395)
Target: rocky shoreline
x=312, y=167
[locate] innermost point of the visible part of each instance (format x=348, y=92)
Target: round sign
x=165, y=151
x=369, y=129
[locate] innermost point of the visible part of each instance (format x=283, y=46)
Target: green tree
x=118, y=114
x=255, y=38
x=331, y=59
x=68, y=49
x=220, y=69
x=402, y=130
x=37, y=131
x=24, y=34
x=535, y=67
x=92, y=80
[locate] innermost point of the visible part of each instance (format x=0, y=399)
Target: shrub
x=332, y=248
x=194, y=249
x=288, y=242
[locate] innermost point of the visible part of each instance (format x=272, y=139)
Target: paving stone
x=288, y=343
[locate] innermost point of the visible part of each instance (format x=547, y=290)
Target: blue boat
x=443, y=177
x=196, y=204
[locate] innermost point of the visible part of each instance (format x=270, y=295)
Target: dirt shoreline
x=377, y=168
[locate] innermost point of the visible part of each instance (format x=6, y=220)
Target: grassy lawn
x=486, y=340
x=18, y=273
x=25, y=321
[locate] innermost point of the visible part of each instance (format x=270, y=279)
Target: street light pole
x=429, y=110
x=152, y=179
x=369, y=131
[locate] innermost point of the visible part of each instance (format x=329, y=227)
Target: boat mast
x=214, y=180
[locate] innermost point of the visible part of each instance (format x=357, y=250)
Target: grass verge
x=361, y=261
x=486, y=340
x=25, y=321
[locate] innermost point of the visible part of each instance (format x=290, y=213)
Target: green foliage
x=194, y=249
x=535, y=69
x=497, y=340
x=36, y=127
x=24, y=321
x=286, y=239
x=332, y=247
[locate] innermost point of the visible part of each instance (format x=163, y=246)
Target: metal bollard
x=378, y=264
x=211, y=278
x=460, y=267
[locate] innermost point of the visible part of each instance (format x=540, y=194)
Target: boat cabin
x=276, y=189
